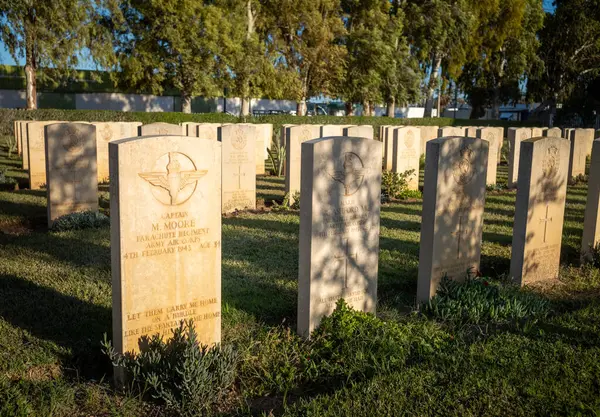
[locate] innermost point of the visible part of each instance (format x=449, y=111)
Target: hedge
x=7, y=116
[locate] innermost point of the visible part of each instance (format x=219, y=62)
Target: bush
x=189, y=378
x=478, y=300
x=80, y=220
x=395, y=186
x=285, y=203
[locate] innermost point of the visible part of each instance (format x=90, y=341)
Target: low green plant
x=496, y=187
x=285, y=203
x=478, y=300
x=578, y=179
x=11, y=145
x=4, y=179
x=186, y=376
x=394, y=186
x=80, y=220
x=591, y=257
x=277, y=156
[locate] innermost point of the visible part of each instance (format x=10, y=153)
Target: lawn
x=55, y=307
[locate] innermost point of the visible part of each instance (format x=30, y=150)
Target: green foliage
x=189, y=378
x=4, y=179
x=592, y=257
x=394, y=186
x=286, y=205
x=478, y=300
x=11, y=145
x=80, y=220
x=277, y=157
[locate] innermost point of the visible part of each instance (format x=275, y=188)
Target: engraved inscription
x=352, y=174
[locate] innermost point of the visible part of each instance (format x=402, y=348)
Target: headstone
x=105, y=133
x=25, y=145
x=36, y=154
x=407, y=145
x=567, y=132
x=591, y=222
x=388, y=147
x=471, y=131
x=581, y=142
x=427, y=133
x=238, y=186
x=207, y=131
x=71, y=177
x=491, y=135
x=165, y=203
x=448, y=131
x=161, y=129
x=537, y=132
x=554, y=132
x=539, y=210
x=516, y=135
x=190, y=128
x=283, y=133
x=265, y=130
x=453, y=202
x=16, y=135
x=339, y=227
x=295, y=137
x=362, y=131
x=332, y=130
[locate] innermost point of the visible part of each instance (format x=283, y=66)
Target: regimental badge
x=352, y=174
x=463, y=171
x=239, y=139
x=550, y=162
x=177, y=183
x=409, y=139
x=72, y=140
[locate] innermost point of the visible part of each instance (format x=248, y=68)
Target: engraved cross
x=459, y=234
x=345, y=257
x=239, y=175
x=546, y=220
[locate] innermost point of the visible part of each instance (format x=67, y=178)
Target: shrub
x=285, y=204
x=478, y=300
x=11, y=145
x=80, y=220
x=189, y=378
x=395, y=186
x=277, y=157
x=4, y=179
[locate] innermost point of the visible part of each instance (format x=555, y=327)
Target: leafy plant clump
x=4, y=179
x=286, y=205
x=394, y=186
x=277, y=156
x=11, y=145
x=80, y=220
x=478, y=300
x=186, y=376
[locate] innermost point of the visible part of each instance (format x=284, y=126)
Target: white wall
x=123, y=102
x=12, y=99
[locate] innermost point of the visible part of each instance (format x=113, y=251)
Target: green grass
x=55, y=306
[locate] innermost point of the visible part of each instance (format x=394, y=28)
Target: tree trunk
x=186, y=102
x=30, y=68
x=391, y=107
x=366, y=108
x=301, y=107
x=245, y=107
x=349, y=108
x=435, y=69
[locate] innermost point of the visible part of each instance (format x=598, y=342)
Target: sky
x=6, y=59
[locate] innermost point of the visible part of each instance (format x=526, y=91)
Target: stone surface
x=36, y=154
x=591, y=222
x=206, y=131
x=406, y=155
x=265, y=130
x=515, y=137
x=492, y=136
x=539, y=210
x=453, y=202
x=448, y=131
x=295, y=137
x=537, y=132
x=500, y=131
x=332, y=130
x=362, y=131
x=427, y=133
x=165, y=237
x=161, y=129
x=108, y=132
x=283, y=133
x=238, y=186
x=554, y=132
x=339, y=227
x=471, y=131
x=388, y=147
x=581, y=146
x=25, y=145
x=71, y=177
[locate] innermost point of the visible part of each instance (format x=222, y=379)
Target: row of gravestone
x=166, y=258
x=64, y=158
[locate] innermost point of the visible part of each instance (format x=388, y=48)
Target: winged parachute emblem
x=352, y=176
x=174, y=180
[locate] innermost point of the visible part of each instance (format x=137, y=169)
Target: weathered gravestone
x=448, y=131
x=427, y=133
x=105, y=133
x=567, y=132
x=208, y=131
x=362, y=131
x=36, y=154
x=471, y=131
x=24, y=145
x=406, y=156
x=554, y=132
x=453, y=202
x=581, y=143
x=388, y=147
x=190, y=128
x=161, y=129
x=265, y=131
x=516, y=135
x=539, y=210
x=238, y=185
x=283, y=133
x=339, y=227
x=71, y=177
x=295, y=137
x=537, y=132
x=591, y=222
x=165, y=213
x=332, y=130
x=491, y=135
x=16, y=135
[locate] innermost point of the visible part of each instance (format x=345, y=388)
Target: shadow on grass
x=71, y=323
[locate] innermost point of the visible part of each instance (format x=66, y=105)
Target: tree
x=171, y=43
x=503, y=58
x=51, y=35
x=306, y=36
